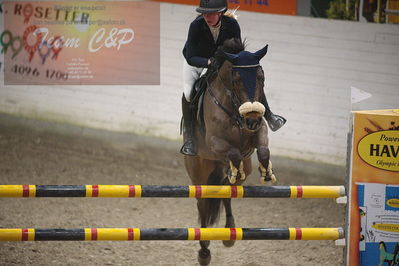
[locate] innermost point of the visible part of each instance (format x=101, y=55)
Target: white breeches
x=190, y=75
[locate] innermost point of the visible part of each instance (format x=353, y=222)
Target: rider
x=206, y=33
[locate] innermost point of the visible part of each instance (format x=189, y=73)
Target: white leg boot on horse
x=266, y=174
x=236, y=172
x=234, y=158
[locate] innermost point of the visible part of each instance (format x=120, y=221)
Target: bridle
x=234, y=115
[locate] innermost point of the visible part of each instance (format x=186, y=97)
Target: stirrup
x=188, y=148
x=275, y=122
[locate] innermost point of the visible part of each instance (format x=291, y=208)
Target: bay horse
x=234, y=128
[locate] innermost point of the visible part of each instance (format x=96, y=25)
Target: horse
x=233, y=128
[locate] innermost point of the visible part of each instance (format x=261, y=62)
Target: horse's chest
x=222, y=124
x=233, y=134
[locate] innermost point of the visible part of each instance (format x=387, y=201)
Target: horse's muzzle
x=253, y=124
x=252, y=113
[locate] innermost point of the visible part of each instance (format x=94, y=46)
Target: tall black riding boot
x=275, y=121
x=189, y=147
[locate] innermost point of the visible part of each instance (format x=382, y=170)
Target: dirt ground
x=34, y=157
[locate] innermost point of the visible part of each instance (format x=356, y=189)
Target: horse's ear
x=261, y=53
x=232, y=58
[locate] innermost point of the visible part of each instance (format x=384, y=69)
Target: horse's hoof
x=228, y=243
x=242, y=176
x=230, y=222
x=232, y=179
x=268, y=181
x=204, y=256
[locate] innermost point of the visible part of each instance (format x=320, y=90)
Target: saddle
x=197, y=100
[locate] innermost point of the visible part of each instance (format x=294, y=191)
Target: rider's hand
x=212, y=63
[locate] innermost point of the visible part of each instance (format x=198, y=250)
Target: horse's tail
x=213, y=205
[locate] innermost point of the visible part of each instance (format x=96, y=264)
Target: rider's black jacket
x=200, y=45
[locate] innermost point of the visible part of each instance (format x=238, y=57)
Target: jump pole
x=126, y=234
x=200, y=191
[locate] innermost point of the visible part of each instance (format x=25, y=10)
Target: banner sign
x=379, y=220
x=81, y=43
x=373, y=235
x=286, y=7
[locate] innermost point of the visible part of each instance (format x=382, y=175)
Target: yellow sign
x=394, y=203
x=386, y=227
x=381, y=149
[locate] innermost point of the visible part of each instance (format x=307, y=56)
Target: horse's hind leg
x=204, y=254
x=229, y=221
x=199, y=171
x=229, y=217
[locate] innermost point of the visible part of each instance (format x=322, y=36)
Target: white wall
x=309, y=69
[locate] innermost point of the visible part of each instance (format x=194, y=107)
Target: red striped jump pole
x=200, y=191
x=126, y=234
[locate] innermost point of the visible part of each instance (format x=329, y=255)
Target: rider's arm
x=236, y=30
x=198, y=61
x=192, y=49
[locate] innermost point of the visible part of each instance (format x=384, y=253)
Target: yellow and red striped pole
x=126, y=234
x=199, y=191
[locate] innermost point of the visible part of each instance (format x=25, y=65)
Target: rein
x=236, y=118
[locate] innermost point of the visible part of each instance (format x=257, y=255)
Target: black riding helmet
x=212, y=6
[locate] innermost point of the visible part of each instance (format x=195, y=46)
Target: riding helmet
x=212, y=6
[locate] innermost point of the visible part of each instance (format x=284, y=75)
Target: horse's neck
x=220, y=83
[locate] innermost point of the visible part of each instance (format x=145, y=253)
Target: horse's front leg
x=236, y=171
x=265, y=166
x=263, y=152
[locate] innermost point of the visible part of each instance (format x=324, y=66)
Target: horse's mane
x=232, y=46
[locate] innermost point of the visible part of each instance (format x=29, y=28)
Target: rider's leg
x=275, y=122
x=190, y=75
x=189, y=147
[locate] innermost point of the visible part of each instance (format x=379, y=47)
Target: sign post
x=373, y=211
